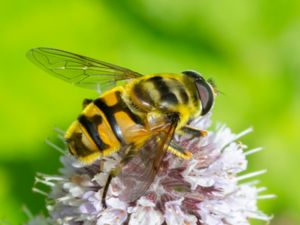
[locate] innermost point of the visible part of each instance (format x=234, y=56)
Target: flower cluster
x=205, y=190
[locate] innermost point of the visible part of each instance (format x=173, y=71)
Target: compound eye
x=206, y=95
x=193, y=74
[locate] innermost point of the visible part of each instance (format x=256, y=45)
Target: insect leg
x=113, y=173
x=130, y=152
x=194, y=132
x=179, y=151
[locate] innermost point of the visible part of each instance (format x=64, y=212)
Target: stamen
x=249, y=175
x=249, y=152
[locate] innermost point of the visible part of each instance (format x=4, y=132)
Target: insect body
x=126, y=118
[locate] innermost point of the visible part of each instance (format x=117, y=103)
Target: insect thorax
x=165, y=93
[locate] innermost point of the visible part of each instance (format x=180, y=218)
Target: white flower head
x=205, y=190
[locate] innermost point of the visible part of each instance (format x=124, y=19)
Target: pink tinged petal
x=92, y=204
x=201, y=122
x=195, y=176
x=235, y=209
x=115, y=214
x=232, y=159
x=88, y=195
x=145, y=214
x=190, y=203
x=88, y=208
x=116, y=203
x=246, y=199
x=112, y=217
x=151, y=196
x=175, y=216
x=220, y=173
x=213, y=212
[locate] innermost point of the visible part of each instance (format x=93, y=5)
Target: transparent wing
x=80, y=70
x=139, y=173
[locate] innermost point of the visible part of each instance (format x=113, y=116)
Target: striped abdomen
x=102, y=128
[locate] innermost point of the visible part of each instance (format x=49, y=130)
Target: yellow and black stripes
x=129, y=115
x=160, y=92
x=165, y=93
x=109, y=112
x=90, y=125
x=100, y=128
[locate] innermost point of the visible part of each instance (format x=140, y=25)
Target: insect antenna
x=212, y=82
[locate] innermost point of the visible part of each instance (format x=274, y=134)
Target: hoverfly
x=143, y=111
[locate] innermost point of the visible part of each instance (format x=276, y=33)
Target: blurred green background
x=251, y=48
